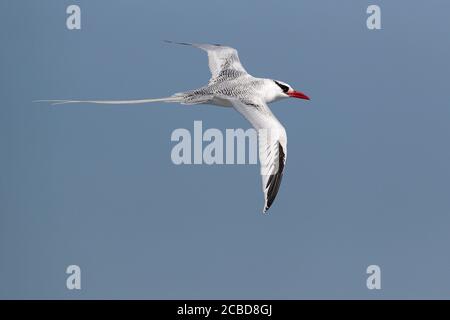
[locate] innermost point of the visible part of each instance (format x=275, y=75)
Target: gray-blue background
x=368, y=173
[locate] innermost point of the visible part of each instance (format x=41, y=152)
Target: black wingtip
x=274, y=182
x=174, y=42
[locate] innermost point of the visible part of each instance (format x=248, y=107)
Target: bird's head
x=283, y=90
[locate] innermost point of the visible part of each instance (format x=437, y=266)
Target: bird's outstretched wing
x=223, y=61
x=272, y=141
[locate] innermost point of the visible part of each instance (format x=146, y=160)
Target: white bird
x=231, y=86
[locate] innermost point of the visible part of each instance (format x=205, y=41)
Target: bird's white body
x=264, y=89
x=231, y=86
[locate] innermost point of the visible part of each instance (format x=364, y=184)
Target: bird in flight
x=231, y=86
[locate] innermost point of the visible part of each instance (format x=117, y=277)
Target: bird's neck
x=270, y=91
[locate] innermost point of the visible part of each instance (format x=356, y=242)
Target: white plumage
x=231, y=86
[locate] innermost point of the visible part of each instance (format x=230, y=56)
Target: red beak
x=298, y=95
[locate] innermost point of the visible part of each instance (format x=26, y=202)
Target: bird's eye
x=282, y=86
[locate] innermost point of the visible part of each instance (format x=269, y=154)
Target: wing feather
x=272, y=142
x=223, y=61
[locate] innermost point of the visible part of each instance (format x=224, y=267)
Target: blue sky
x=366, y=180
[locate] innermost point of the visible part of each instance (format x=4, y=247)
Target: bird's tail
x=178, y=97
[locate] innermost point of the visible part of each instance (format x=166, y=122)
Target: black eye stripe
x=282, y=86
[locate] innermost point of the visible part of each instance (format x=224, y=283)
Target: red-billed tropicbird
x=231, y=86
